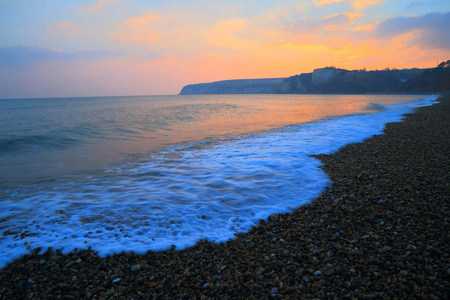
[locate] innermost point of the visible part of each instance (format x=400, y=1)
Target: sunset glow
x=131, y=47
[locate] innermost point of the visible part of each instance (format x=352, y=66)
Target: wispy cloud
x=357, y=4
x=139, y=30
x=25, y=57
x=367, y=27
x=100, y=4
x=423, y=4
x=427, y=31
x=361, y=4
x=325, y=2
x=333, y=22
x=336, y=20
x=65, y=28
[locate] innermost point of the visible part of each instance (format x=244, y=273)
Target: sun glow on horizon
x=129, y=47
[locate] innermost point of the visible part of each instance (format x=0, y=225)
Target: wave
x=375, y=107
x=13, y=144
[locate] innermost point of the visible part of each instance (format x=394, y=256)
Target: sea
x=144, y=173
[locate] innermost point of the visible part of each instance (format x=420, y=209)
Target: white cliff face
x=324, y=75
x=237, y=86
x=327, y=80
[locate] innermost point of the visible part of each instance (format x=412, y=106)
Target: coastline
x=379, y=231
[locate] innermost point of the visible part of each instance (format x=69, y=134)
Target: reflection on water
x=41, y=138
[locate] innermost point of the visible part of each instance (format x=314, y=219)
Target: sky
x=66, y=48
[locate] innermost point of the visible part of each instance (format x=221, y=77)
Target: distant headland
x=331, y=80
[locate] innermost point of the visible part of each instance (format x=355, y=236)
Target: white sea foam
x=189, y=192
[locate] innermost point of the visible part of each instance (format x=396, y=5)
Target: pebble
x=411, y=247
x=110, y=292
x=69, y=264
x=386, y=248
x=135, y=268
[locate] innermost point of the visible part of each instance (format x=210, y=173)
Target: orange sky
x=118, y=47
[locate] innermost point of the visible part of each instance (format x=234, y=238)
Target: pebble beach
x=379, y=231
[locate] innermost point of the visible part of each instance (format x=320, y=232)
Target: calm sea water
x=144, y=173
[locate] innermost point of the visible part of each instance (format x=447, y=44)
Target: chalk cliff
x=333, y=80
x=324, y=75
x=238, y=86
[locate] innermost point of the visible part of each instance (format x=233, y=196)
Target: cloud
x=99, y=5
x=336, y=20
x=367, y=27
x=64, y=29
x=424, y=3
x=139, y=30
x=142, y=21
x=25, y=57
x=333, y=22
x=325, y=2
x=427, y=31
x=361, y=4
x=357, y=4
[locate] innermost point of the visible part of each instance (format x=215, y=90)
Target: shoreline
x=380, y=230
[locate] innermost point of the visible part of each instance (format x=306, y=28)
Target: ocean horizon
x=144, y=173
